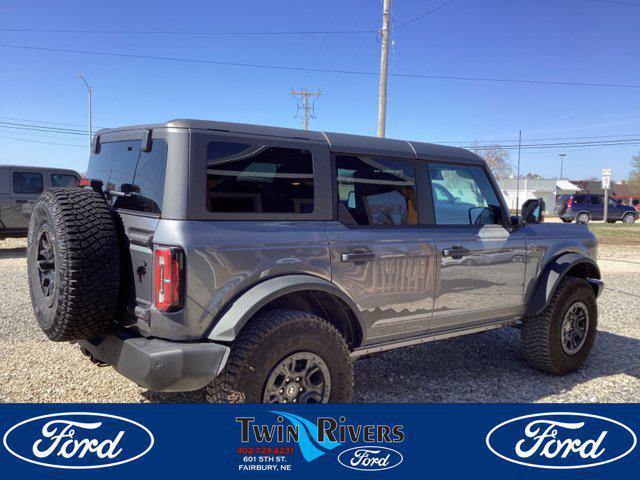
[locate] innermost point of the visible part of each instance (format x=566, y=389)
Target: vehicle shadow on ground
x=16, y=252
x=486, y=367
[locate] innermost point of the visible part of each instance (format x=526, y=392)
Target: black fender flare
x=552, y=275
x=228, y=325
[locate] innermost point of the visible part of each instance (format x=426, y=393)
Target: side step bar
x=358, y=352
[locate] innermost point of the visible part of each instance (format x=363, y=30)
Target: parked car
x=259, y=262
x=20, y=187
x=584, y=207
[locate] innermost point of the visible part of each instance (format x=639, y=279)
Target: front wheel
x=558, y=340
x=286, y=356
x=629, y=218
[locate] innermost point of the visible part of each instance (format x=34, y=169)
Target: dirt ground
x=479, y=368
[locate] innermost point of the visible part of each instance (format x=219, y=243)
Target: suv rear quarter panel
x=225, y=258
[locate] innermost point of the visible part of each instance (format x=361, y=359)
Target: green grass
x=616, y=233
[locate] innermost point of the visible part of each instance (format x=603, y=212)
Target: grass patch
x=616, y=233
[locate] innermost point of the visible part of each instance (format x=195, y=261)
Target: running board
x=428, y=338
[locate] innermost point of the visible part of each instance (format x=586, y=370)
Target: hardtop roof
x=37, y=168
x=338, y=142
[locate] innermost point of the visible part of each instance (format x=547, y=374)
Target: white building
x=544, y=188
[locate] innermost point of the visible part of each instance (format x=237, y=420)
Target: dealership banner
x=320, y=441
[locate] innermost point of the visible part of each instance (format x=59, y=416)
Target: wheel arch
x=573, y=264
x=298, y=292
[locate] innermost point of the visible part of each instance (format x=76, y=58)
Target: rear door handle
x=359, y=255
x=22, y=201
x=456, y=252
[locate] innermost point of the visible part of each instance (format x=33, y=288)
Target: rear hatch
x=136, y=178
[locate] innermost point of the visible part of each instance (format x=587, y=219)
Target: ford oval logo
x=78, y=440
x=370, y=458
x=561, y=440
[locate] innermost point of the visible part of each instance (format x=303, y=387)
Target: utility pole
x=562, y=157
x=518, y=174
x=385, y=33
x=89, y=89
x=308, y=109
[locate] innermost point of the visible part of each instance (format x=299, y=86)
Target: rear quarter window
x=63, y=180
x=253, y=178
x=123, y=163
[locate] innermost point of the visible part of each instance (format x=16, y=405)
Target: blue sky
x=563, y=40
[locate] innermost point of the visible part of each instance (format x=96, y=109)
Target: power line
x=184, y=32
x=42, y=121
x=24, y=126
x=305, y=69
x=39, y=141
x=470, y=142
x=587, y=140
x=208, y=32
x=420, y=17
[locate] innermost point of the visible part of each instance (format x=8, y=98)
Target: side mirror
x=533, y=211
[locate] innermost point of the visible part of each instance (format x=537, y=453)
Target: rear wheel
x=629, y=218
x=583, y=217
x=286, y=356
x=558, y=340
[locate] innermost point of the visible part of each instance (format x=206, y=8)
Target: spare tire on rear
x=73, y=262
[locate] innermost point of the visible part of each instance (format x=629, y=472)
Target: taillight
x=85, y=182
x=569, y=202
x=168, y=278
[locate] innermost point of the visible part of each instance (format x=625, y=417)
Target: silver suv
x=259, y=262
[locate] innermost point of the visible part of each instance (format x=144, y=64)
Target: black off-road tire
x=541, y=334
x=269, y=338
x=79, y=227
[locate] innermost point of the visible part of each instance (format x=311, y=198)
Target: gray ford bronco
x=259, y=262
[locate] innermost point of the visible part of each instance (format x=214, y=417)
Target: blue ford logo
x=78, y=440
x=561, y=440
x=370, y=458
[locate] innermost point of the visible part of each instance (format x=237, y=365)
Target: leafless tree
x=497, y=157
x=634, y=175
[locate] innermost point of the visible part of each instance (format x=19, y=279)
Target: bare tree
x=634, y=174
x=497, y=158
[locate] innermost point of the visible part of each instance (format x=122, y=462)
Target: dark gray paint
x=406, y=291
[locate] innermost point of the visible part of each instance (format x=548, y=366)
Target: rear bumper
x=158, y=364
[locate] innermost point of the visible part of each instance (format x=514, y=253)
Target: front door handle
x=358, y=255
x=456, y=252
x=19, y=200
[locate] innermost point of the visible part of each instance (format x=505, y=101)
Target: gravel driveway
x=484, y=367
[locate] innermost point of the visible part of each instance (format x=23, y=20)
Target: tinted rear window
x=27, y=182
x=579, y=198
x=250, y=178
x=123, y=162
x=63, y=180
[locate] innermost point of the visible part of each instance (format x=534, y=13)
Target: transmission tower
x=306, y=108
